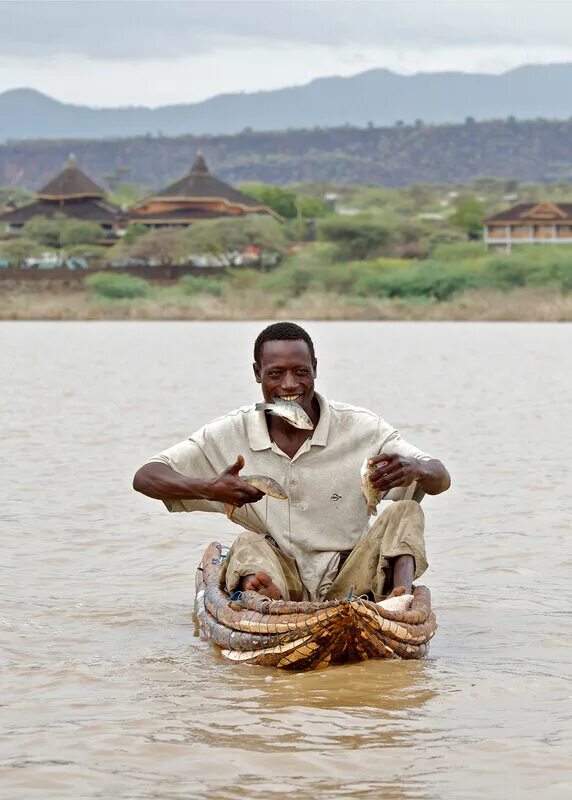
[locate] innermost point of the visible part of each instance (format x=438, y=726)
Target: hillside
x=538, y=150
x=378, y=96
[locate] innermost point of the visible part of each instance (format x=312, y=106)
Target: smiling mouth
x=289, y=398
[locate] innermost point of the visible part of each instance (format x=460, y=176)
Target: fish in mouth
x=264, y=484
x=288, y=410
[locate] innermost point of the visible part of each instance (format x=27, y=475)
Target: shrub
x=301, y=271
x=194, y=284
x=241, y=278
x=105, y=284
x=548, y=266
x=458, y=251
x=425, y=279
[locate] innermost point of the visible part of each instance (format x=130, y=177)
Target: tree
x=45, y=231
x=76, y=232
x=127, y=194
x=468, y=215
x=14, y=195
x=229, y=238
x=282, y=201
x=312, y=207
x=16, y=250
x=133, y=232
x=60, y=231
x=163, y=246
x=357, y=238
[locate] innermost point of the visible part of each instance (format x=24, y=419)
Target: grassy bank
x=458, y=281
x=523, y=303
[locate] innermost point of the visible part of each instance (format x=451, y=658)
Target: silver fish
x=264, y=484
x=288, y=410
x=397, y=605
x=371, y=494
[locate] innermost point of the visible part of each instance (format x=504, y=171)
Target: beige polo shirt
x=325, y=512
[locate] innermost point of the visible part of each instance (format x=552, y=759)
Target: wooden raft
x=307, y=636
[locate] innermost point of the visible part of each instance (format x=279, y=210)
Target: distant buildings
x=195, y=197
x=529, y=223
x=71, y=193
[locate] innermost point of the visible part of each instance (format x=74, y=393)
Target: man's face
x=286, y=370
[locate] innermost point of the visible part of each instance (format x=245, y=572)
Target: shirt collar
x=259, y=438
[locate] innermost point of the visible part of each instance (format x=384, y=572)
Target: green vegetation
x=532, y=150
x=282, y=201
x=357, y=237
x=195, y=285
x=15, y=196
x=371, y=246
x=468, y=215
x=60, y=231
x=227, y=239
x=113, y=287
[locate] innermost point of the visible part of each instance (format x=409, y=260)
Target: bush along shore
x=458, y=282
x=385, y=261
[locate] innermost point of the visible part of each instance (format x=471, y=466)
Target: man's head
x=285, y=363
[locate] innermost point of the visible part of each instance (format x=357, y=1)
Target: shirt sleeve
x=189, y=460
x=395, y=443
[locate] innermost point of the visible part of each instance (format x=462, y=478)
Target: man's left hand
x=391, y=471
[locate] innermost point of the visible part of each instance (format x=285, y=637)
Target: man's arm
x=393, y=470
x=161, y=482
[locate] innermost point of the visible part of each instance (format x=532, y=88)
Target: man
x=316, y=544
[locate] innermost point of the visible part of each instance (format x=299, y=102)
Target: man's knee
x=248, y=538
x=405, y=508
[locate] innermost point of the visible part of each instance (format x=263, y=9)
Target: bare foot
x=260, y=582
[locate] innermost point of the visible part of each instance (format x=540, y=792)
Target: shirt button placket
x=292, y=484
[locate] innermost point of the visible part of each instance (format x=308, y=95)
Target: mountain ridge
x=378, y=97
x=535, y=150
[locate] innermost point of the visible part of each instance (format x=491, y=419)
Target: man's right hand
x=229, y=488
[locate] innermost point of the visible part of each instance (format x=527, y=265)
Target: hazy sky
x=127, y=52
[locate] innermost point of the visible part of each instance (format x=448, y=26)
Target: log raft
x=252, y=629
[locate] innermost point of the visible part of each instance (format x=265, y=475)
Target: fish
x=288, y=410
x=397, y=605
x=264, y=484
x=371, y=494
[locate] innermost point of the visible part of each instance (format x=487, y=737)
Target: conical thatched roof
x=71, y=182
x=200, y=184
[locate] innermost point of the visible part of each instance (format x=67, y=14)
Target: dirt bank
x=543, y=305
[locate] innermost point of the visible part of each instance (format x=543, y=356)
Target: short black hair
x=282, y=331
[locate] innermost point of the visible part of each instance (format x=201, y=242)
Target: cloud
x=111, y=52
x=163, y=29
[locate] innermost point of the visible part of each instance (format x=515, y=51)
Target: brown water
x=107, y=691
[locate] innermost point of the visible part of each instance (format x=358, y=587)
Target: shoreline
x=516, y=305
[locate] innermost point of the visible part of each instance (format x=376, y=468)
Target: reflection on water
x=107, y=689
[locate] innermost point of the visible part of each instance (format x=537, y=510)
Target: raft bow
x=252, y=629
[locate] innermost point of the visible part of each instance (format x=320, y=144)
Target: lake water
x=107, y=690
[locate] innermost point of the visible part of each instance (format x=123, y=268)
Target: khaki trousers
x=368, y=567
